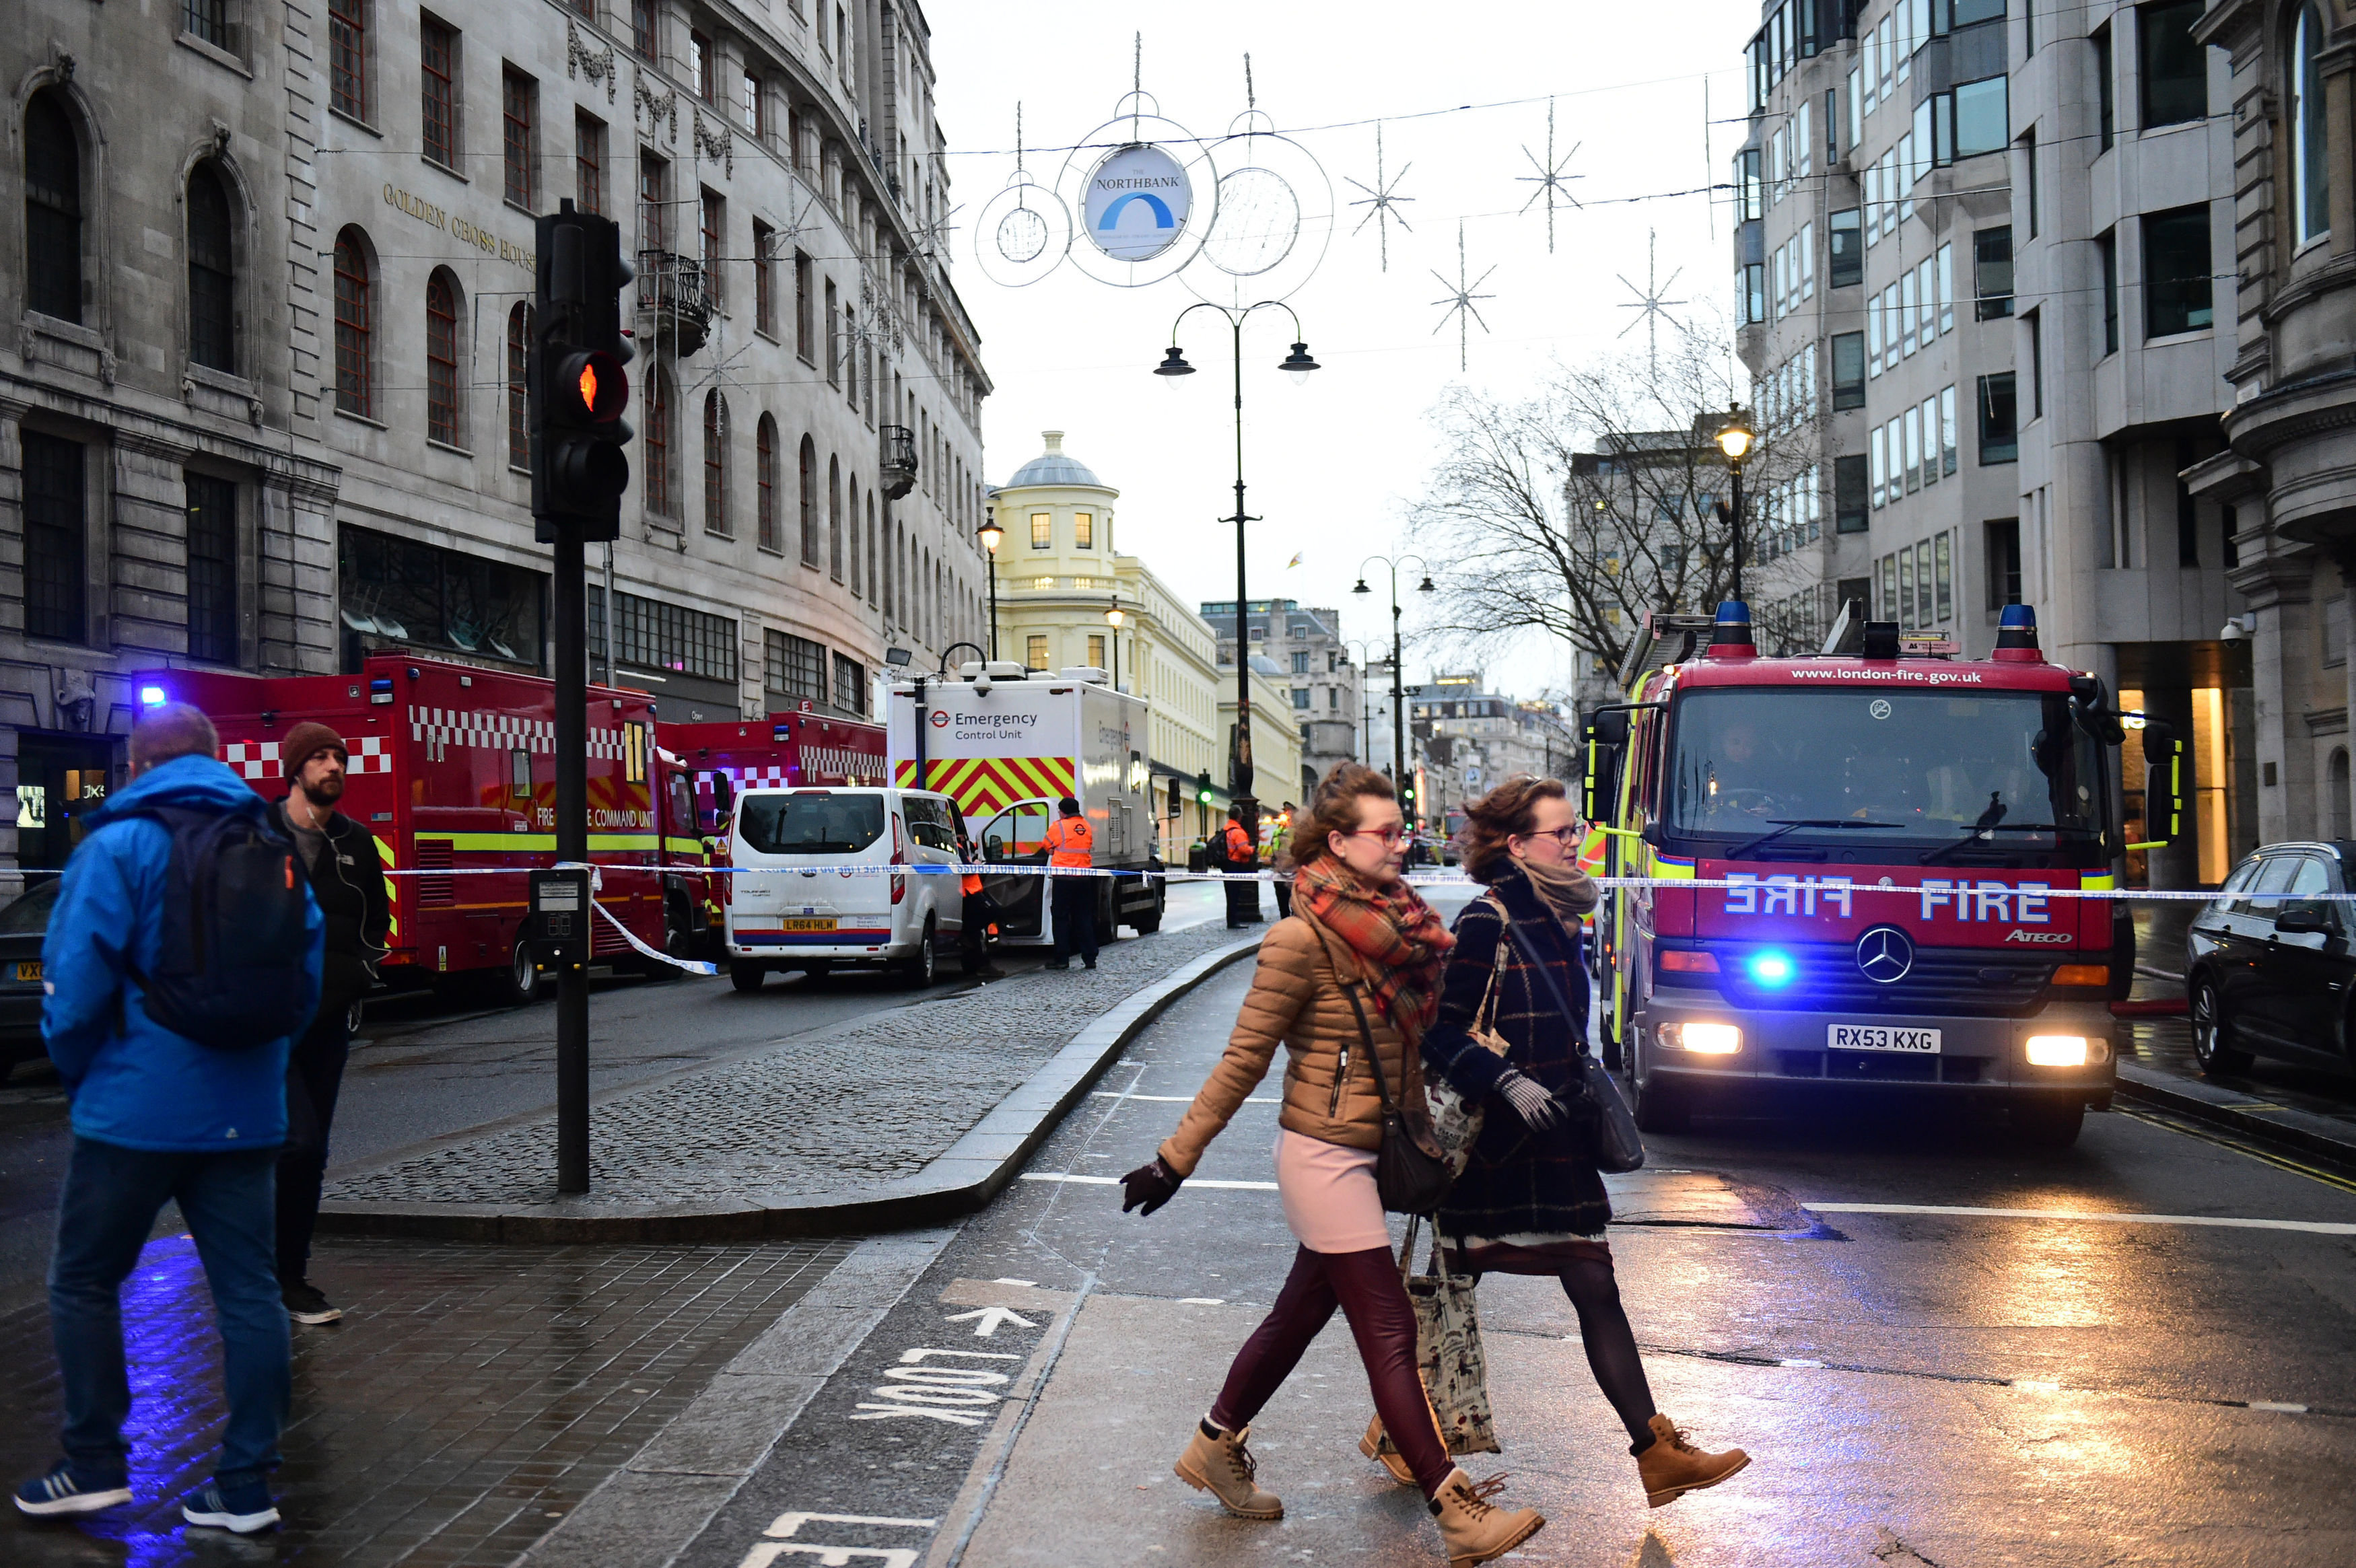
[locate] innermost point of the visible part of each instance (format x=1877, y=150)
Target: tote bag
x=1448, y=1351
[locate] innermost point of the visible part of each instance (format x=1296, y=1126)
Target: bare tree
x=1601, y=497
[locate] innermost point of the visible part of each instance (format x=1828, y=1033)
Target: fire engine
x=1895, y=831
x=453, y=769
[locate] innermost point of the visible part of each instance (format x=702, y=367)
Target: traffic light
x=1203, y=787
x=575, y=385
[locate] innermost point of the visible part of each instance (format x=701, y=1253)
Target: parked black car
x=24, y=924
x=2272, y=976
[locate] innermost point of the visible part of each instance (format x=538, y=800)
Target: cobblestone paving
x=868, y=1103
x=472, y=1397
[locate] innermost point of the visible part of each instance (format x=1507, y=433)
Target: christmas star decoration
x=1550, y=180
x=1461, y=298
x=1648, y=304
x=1382, y=200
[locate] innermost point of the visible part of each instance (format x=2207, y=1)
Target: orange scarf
x=1398, y=940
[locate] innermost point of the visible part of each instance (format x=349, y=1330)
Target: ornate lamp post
x=1297, y=365
x=1398, y=667
x=990, y=535
x=1734, y=440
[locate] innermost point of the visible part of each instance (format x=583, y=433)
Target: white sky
x=1335, y=465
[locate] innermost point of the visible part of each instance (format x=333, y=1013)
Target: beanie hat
x=306, y=740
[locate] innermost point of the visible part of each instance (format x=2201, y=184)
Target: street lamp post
x=1398, y=666
x=1113, y=618
x=1366, y=699
x=1734, y=440
x=1297, y=365
x=992, y=534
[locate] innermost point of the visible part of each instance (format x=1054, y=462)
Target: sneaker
x=62, y=1492
x=241, y=1511
x=305, y=1303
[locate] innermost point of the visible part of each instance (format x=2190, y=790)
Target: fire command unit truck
x=724, y=757
x=453, y=769
x=1006, y=743
x=1893, y=826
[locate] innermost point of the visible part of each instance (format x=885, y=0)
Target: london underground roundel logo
x=940, y=718
x=1137, y=203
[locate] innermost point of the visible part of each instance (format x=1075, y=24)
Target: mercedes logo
x=1884, y=954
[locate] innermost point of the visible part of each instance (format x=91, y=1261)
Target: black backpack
x=229, y=971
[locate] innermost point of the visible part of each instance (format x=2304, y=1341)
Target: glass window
x=700, y=64
x=1850, y=482
x=405, y=592
x=2035, y=322
x=1942, y=567
x=1946, y=288
x=519, y=394
x=348, y=60
x=1084, y=531
x=56, y=537
x=1878, y=452
x=2310, y=157
x=438, y=68
x=1908, y=301
x=212, y=280
x=442, y=359
x=355, y=385
x=53, y=209
x=661, y=489
x=1981, y=125
x=653, y=202
x=2003, y=538
x=212, y=569
x=2105, y=89
x=1849, y=370
x=2174, y=67
x=589, y=162
x=711, y=235
x=1034, y=651
x=715, y=463
x=1930, y=439
x=1873, y=334
x=1845, y=249
x=765, y=483
x=765, y=293
x=520, y=122
x=810, y=822
x=1992, y=272
x=1910, y=463
x=2177, y=290
x=1999, y=425
x=642, y=27
x=1906, y=616
x=1043, y=530
x=1947, y=430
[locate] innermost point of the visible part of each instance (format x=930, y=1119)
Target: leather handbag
x=1409, y=1177
x=1619, y=1148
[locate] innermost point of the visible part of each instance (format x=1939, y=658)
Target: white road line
x=2311, y=1227
x=1115, y=1181
x=1167, y=1099
x=2277, y=1405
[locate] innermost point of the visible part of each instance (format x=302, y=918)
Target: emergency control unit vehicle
x=453, y=770
x=1006, y=743
x=810, y=889
x=1893, y=826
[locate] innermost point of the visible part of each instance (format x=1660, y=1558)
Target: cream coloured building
x=1059, y=573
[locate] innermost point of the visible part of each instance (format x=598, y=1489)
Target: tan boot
x=1374, y=1446
x=1223, y=1468
x=1672, y=1467
x=1474, y=1529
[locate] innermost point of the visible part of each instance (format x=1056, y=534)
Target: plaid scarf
x=1398, y=941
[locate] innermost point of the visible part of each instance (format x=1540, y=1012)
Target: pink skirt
x=1328, y=1193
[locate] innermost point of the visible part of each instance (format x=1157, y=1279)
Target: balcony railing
x=899, y=459
x=671, y=289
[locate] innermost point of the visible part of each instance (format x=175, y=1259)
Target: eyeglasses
x=1565, y=838
x=1387, y=834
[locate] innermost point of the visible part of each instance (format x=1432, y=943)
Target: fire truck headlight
x=153, y=695
x=2058, y=1051
x=1770, y=970
x=1710, y=1039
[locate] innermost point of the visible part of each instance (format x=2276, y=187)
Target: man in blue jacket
x=157, y=1116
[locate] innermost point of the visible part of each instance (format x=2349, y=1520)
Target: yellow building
x=1058, y=576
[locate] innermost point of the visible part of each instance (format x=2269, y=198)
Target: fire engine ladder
x=1665, y=639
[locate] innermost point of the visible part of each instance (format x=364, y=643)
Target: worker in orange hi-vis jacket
x=1243, y=896
x=979, y=921
x=1071, y=844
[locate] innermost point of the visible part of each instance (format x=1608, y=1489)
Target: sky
x=1334, y=467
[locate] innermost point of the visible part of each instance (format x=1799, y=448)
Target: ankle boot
x=1473, y=1529
x=1672, y=1467
x=1223, y=1468
x=1375, y=1446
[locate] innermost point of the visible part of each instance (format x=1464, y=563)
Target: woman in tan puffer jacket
x=1352, y=974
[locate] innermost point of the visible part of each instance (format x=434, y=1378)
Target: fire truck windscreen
x=812, y=823
x=1938, y=763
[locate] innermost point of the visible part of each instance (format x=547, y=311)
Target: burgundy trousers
x=1366, y=1287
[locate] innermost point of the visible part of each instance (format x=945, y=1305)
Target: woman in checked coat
x=1530, y=1201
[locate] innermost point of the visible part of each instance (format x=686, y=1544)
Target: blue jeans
x=111, y=1198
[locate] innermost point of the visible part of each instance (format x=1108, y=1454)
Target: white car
x=825, y=878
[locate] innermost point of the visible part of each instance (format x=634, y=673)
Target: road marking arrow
x=991, y=1317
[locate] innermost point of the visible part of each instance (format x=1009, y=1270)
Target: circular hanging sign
x=1137, y=203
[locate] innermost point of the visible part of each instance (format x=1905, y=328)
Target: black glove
x=1152, y=1184
x=1539, y=1110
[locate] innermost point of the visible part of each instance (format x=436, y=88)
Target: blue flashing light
x=153, y=697
x=1770, y=970
x=1733, y=613
x=2017, y=617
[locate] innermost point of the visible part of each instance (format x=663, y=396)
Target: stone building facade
x=1311, y=668
x=262, y=409
x=1976, y=257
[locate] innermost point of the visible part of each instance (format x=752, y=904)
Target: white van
x=800, y=899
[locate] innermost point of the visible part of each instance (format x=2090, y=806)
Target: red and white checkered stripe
x=260, y=759
x=503, y=732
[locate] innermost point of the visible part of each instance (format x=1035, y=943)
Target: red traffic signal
x=592, y=386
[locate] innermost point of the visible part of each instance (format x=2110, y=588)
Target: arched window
x=212, y=273
x=833, y=510
x=2310, y=157
x=518, y=395
x=834, y=534
x=442, y=359
x=764, y=481
x=2341, y=805
x=809, y=502
x=52, y=208
x=354, y=326
x=661, y=492
x=715, y=463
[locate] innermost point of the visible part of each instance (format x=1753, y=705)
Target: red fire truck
x=454, y=769
x=1893, y=826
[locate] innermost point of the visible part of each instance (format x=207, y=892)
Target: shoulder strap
x=1366, y=1034
x=1554, y=986
x=1484, y=1016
